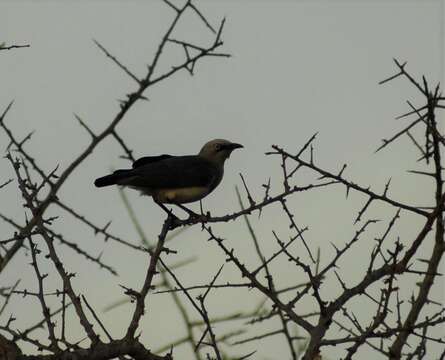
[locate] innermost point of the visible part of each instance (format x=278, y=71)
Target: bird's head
x=218, y=150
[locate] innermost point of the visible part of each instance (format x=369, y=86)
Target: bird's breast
x=181, y=195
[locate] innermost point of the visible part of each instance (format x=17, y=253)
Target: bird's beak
x=233, y=146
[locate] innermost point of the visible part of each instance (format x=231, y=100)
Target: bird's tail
x=111, y=179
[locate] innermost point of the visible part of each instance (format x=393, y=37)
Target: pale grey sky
x=298, y=67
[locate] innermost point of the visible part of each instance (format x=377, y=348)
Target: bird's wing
x=150, y=159
x=173, y=172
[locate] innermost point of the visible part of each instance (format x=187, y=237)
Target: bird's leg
x=201, y=208
x=191, y=213
x=169, y=212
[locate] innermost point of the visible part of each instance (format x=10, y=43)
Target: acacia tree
x=394, y=331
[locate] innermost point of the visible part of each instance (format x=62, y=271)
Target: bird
x=175, y=179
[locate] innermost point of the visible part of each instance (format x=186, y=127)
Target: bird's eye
x=217, y=147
